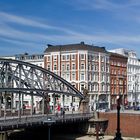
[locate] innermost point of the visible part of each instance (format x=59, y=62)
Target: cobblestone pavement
x=87, y=137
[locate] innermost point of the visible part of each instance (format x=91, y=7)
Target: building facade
x=118, y=78
x=36, y=59
x=133, y=76
x=84, y=66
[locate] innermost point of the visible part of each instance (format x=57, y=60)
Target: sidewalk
x=87, y=137
x=104, y=138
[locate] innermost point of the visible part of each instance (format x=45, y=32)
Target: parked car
x=137, y=108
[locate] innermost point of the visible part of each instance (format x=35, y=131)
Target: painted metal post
x=43, y=103
x=19, y=106
x=54, y=103
x=5, y=106
x=22, y=110
x=12, y=104
x=32, y=104
x=63, y=98
x=49, y=132
x=0, y=102
x=118, y=133
x=72, y=105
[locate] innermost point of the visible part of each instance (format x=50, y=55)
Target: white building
x=8, y=57
x=84, y=66
x=133, y=75
x=36, y=59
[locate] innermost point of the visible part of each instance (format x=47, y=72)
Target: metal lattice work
x=19, y=76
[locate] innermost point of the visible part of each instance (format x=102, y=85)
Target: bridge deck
x=11, y=123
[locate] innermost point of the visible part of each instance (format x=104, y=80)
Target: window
x=68, y=57
x=96, y=67
x=92, y=67
x=96, y=87
x=48, y=58
x=48, y=67
x=55, y=57
x=82, y=87
x=102, y=88
x=82, y=66
x=73, y=57
x=73, y=76
x=67, y=76
x=108, y=79
x=102, y=68
x=68, y=67
x=82, y=56
x=93, y=87
x=102, y=77
x=55, y=67
x=63, y=67
x=63, y=57
x=96, y=77
x=82, y=76
x=89, y=77
x=73, y=66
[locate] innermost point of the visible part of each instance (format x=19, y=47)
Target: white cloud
x=9, y=18
x=28, y=38
x=5, y=17
x=103, y=4
x=124, y=10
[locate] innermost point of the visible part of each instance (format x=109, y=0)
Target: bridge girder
x=19, y=76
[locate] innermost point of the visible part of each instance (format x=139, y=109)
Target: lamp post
x=118, y=133
x=49, y=122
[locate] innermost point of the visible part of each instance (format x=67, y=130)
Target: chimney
x=82, y=43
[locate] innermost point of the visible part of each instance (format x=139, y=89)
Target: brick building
x=118, y=78
x=133, y=75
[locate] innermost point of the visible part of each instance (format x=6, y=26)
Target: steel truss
x=19, y=76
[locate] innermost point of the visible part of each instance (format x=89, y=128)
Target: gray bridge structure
x=18, y=78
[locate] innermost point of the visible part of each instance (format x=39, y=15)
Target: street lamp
x=118, y=133
x=49, y=122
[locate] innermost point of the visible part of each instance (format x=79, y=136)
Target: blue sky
x=29, y=25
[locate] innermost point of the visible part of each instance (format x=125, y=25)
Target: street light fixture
x=49, y=122
x=118, y=133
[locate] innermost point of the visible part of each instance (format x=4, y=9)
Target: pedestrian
x=56, y=111
x=59, y=109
